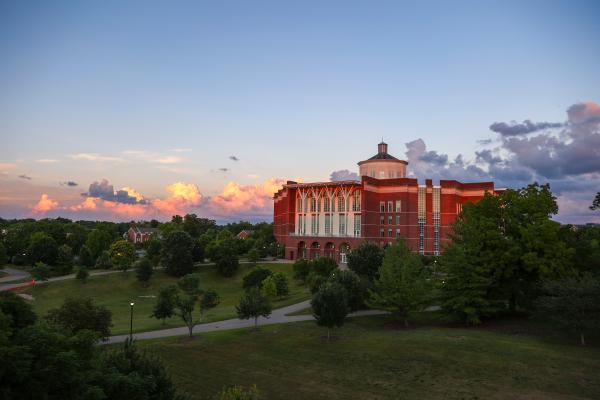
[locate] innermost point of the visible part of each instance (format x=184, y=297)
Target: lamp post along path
x=131, y=321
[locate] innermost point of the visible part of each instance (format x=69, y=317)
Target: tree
x=122, y=254
x=3, y=256
x=153, y=249
x=42, y=247
x=281, y=284
x=256, y=277
x=65, y=260
x=269, y=288
x=572, y=303
x=103, y=261
x=403, y=285
x=190, y=284
x=253, y=305
x=330, y=306
x=82, y=274
x=144, y=270
x=225, y=256
x=198, y=251
x=20, y=314
x=253, y=255
x=176, y=253
x=324, y=266
x=511, y=238
x=77, y=314
x=238, y=393
x=301, y=269
x=596, y=203
x=85, y=257
x=165, y=303
x=40, y=271
x=185, y=309
x=135, y=374
x=366, y=259
x=76, y=236
x=208, y=299
x=355, y=288
x=97, y=241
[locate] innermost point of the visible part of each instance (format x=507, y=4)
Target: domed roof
x=382, y=154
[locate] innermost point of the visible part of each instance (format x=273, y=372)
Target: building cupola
x=382, y=148
x=383, y=165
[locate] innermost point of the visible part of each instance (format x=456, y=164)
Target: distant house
x=138, y=234
x=244, y=234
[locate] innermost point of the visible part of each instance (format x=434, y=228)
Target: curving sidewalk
x=279, y=316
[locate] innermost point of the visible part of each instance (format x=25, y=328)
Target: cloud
x=169, y=160
x=181, y=150
x=515, y=129
x=182, y=198
x=344, y=175
x=25, y=177
x=105, y=191
x=148, y=156
x=44, y=205
x=68, y=183
x=246, y=200
x=234, y=158
x=95, y=157
x=46, y=161
x=7, y=166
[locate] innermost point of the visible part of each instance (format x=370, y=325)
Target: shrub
x=324, y=266
x=301, y=269
x=281, y=284
x=314, y=281
x=269, y=287
x=40, y=271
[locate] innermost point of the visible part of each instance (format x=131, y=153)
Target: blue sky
x=162, y=92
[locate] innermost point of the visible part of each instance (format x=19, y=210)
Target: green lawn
x=117, y=290
x=370, y=359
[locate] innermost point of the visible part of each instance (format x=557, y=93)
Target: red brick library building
x=328, y=219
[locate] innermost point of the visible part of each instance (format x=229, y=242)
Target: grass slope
x=371, y=360
x=116, y=291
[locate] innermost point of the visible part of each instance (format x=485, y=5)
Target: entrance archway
x=330, y=250
x=301, y=250
x=344, y=250
x=315, y=250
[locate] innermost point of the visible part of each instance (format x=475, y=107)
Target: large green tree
x=122, y=254
x=176, y=253
x=253, y=304
x=76, y=314
x=97, y=241
x=404, y=284
x=165, y=303
x=42, y=247
x=366, y=259
x=510, y=240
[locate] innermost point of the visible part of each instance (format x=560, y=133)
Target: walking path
x=279, y=316
x=13, y=275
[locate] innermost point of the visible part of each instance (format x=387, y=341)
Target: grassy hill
x=374, y=359
x=116, y=291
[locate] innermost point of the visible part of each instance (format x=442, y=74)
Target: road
x=279, y=316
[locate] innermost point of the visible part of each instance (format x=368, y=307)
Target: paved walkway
x=13, y=275
x=279, y=316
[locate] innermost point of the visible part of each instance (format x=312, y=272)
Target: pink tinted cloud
x=44, y=205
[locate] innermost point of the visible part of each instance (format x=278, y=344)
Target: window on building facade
x=342, y=226
x=313, y=204
x=398, y=219
x=299, y=205
x=397, y=233
x=382, y=232
x=382, y=206
x=302, y=224
x=314, y=224
x=341, y=204
x=381, y=174
x=389, y=233
x=328, y=224
x=327, y=204
x=390, y=220
x=381, y=219
x=356, y=200
x=357, y=221
x=398, y=206
x=390, y=206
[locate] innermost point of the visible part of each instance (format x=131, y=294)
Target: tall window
x=314, y=224
x=301, y=224
x=382, y=206
x=356, y=200
x=398, y=206
x=389, y=233
x=381, y=219
x=357, y=220
x=390, y=206
x=342, y=226
x=382, y=232
x=341, y=204
x=327, y=204
x=299, y=204
x=328, y=224
x=313, y=204
x=398, y=219
x=390, y=220
x=397, y=233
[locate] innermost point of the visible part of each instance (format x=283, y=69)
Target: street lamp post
x=131, y=321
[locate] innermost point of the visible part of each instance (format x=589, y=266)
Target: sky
x=127, y=110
